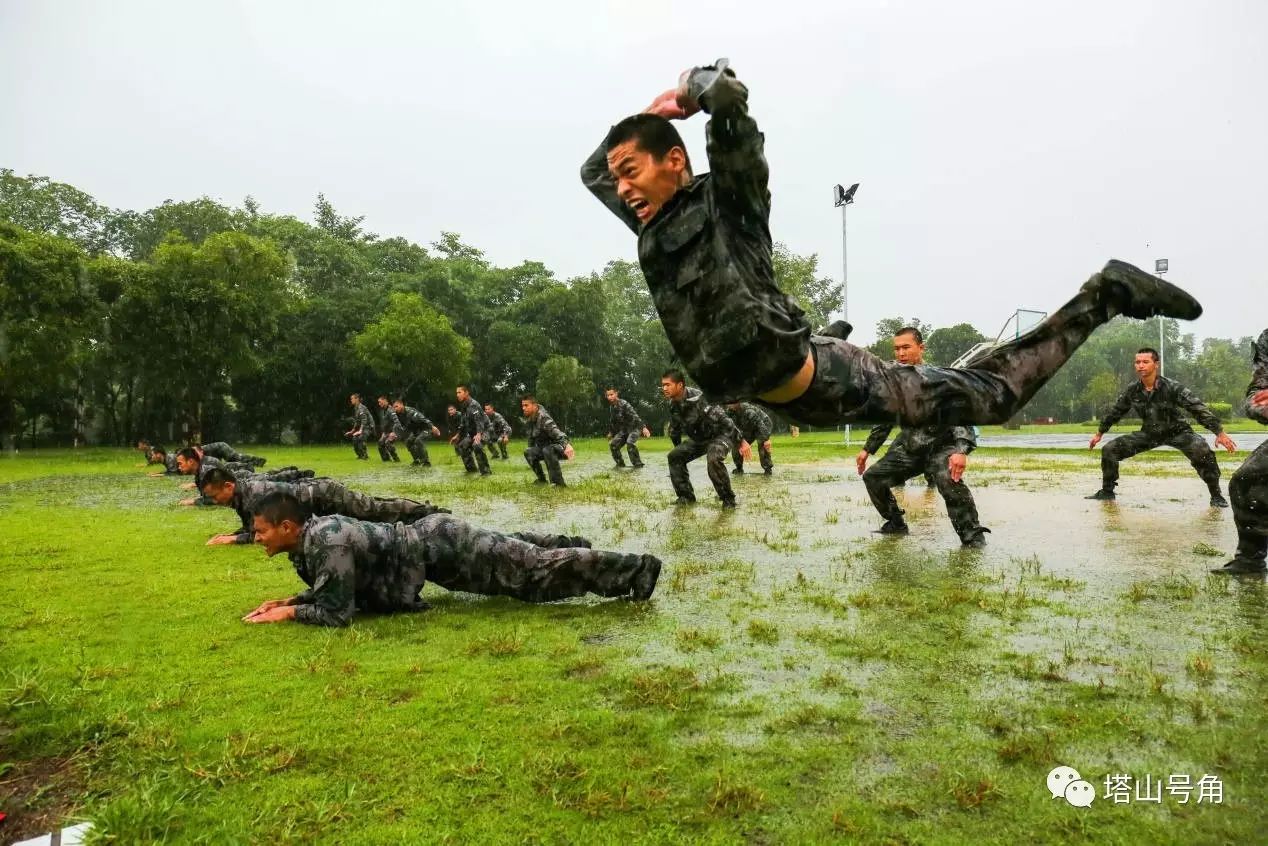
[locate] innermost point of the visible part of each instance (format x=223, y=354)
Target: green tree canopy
x=414, y=346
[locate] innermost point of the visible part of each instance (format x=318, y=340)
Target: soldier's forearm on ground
x=876, y=438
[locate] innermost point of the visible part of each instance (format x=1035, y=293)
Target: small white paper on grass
x=69, y=836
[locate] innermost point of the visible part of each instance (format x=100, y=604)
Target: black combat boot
x=894, y=526
x=1104, y=494
x=1137, y=294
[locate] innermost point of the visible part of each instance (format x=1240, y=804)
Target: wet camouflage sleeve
x=473, y=420
x=876, y=438
x=1189, y=401
x=1116, y=412
x=499, y=425
x=757, y=423
x=1258, y=379
x=735, y=146
x=598, y=180
x=364, y=421
x=964, y=439
x=332, y=598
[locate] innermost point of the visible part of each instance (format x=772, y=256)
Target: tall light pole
x=844, y=197
x=1160, y=267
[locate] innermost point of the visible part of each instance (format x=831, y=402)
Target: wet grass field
x=796, y=679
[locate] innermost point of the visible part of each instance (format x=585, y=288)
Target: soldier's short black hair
x=612, y=389
x=675, y=374
x=464, y=386
x=913, y=332
x=276, y=507
x=527, y=398
x=158, y=451
x=1149, y=351
x=189, y=454
x=384, y=396
x=218, y=476
x=652, y=133
x=356, y=396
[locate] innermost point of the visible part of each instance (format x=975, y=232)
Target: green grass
x=795, y=680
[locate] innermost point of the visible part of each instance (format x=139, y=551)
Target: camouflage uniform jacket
x=710, y=244
x=498, y=425
x=472, y=420
x=219, y=449
x=543, y=432
x=699, y=420
x=754, y=424
x=1162, y=409
x=1259, y=380
x=170, y=467
x=388, y=421
x=350, y=564
x=414, y=421
x=917, y=439
x=623, y=418
x=362, y=419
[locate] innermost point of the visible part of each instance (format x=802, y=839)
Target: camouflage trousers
x=548, y=455
x=689, y=450
x=358, y=445
x=417, y=446
x=497, y=449
x=1190, y=443
x=898, y=465
x=763, y=455
x=629, y=440
x=334, y=498
x=229, y=455
x=851, y=384
x=472, y=455
x=1248, y=493
x=529, y=566
x=387, y=447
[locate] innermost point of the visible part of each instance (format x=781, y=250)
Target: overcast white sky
x=1005, y=149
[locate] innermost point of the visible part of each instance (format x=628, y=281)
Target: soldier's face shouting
x=186, y=465
x=220, y=494
x=643, y=182
x=275, y=538
x=907, y=350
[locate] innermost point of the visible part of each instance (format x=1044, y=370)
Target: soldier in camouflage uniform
x=755, y=427
x=389, y=425
x=1248, y=487
x=710, y=432
x=940, y=452
x=168, y=459
x=319, y=497
x=546, y=442
x=350, y=565
x=221, y=450
x=193, y=463
x=415, y=427
x=1160, y=403
x=705, y=249
x=362, y=427
x=624, y=429
x=473, y=426
x=499, y=431
x=453, y=422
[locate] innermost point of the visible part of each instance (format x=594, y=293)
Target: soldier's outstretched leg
x=1248, y=489
x=959, y=499
x=288, y=474
x=852, y=384
x=482, y=460
x=553, y=469
x=679, y=477
x=631, y=446
x=358, y=446
x=375, y=509
x=1122, y=447
x=533, y=455
x=1202, y=457
x=466, y=452
x=763, y=454
x=717, y=452
x=463, y=557
x=552, y=541
x=614, y=445
x=895, y=467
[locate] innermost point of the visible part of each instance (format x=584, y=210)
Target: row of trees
x=199, y=319
x=196, y=318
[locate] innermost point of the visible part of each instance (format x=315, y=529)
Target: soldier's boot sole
x=1103, y=495
x=645, y=582
x=1141, y=295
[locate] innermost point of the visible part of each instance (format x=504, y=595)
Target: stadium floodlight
x=843, y=197
x=1160, y=267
